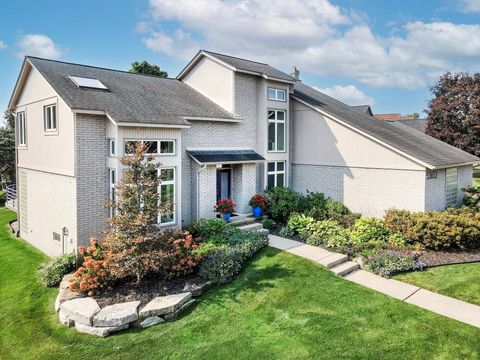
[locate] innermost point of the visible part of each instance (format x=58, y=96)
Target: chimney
x=294, y=72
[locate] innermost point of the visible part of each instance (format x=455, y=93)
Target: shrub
x=214, y=231
x=286, y=232
x=269, y=224
x=327, y=232
x=300, y=223
x=282, y=202
x=397, y=240
x=3, y=198
x=250, y=243
x=92, y=277
x=206, y=249
x=183, y=258
x=471, y=197
x=457, y=228
x=51, y=272
x=387, y=263
x=338, y=212
x=369, y=231
x=313, y=204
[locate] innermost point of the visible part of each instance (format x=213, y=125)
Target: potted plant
x=258, y=204
x=225, y=207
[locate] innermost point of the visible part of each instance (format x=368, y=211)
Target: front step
x=345, y=268
x=251, y=227
x=240, y=220
x=333, y=260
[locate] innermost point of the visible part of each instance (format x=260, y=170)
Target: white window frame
x=159, y=142
x=276, y=172
x=168, y=182
x=111, y=147
x=160, y=147
x=276, y=122
x=21, y=131
x=451, y=193
x=111, y=189
x=49, y=128
x=277, y=91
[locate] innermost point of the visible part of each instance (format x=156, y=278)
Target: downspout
x=198, y=190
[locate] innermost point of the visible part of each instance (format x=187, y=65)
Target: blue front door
x=224, y=184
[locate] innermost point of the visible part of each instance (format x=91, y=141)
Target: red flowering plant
x=258, y=201
x=94, y=275
x=183, y=260
x=225, y=206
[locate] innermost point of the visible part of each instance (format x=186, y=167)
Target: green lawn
x=280, y=307
x=458, y=281
x=476, y=178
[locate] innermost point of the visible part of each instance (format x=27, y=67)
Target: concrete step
x=241, y=220
x=263, y=231
x=251, y=227
x=333, y=260
x=345, y=268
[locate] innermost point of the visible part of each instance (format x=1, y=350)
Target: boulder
x=181, y=309
x=197, y=287
x=117, y=315
x=99, y=331
x=65, y=320
x=151, y=321
x=80, y=310
x=164, y=305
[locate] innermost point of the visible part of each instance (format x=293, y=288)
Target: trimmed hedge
x=438, y=230
x=51, y=272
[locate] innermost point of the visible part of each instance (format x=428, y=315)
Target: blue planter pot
x=226, y=216
x=257, y=211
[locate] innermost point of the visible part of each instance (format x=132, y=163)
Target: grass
x=459, y=281
x=476, y=178
x=279, y=307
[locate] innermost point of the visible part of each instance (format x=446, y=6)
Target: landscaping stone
x=99, y=331
x=197, y=288
x=151, y=321
x=65, y=320
x=80, y=310
x=64, y=292
x=117, y=315
x=164, y=305
x=179, y=310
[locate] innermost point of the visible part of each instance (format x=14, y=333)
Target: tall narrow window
x=50, y=118
x=451, y=187
x=276, y=130
x=167, y=196
x=111, y=188
x=276, y=174
x=21, y=136
x=111, y=147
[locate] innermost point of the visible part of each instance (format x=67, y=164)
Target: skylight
x=89, y=83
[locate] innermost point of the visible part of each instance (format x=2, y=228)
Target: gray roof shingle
x=422, y=147
x=132, y=98
x=363, y=108
x=251, y=66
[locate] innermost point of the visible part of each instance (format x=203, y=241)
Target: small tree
x=145, y=67
x=130, y=241
x=7, y=149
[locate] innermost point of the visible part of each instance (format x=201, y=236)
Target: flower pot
x=257, y=211
x=226, y=216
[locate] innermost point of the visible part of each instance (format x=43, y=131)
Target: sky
x=386, y=53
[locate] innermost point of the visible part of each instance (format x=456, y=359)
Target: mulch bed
x=149, y=289
x=437, y=258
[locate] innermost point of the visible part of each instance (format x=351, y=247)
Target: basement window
x=88, y=83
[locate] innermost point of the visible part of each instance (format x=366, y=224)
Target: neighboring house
x=415, y=123
x=366, y=109
x=225, y=127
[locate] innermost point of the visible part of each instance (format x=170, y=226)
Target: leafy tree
x=145, y=67
x=414, y=115
x=7, y=148
x=453, y=115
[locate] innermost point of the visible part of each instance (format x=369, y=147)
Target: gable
x=35, y=88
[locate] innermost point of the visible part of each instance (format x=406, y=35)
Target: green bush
x=313, y=204
x=387, y=263
x=300, y=223
x=282, y=202
x=51, y=272
x=286, y=232
x=215, y=231
x=328, y=233
x=3, y=197
x=471, y=197
x=338, y=212
x=452, y=228
x=269, y=224
x=369, y=231
x=206, y=249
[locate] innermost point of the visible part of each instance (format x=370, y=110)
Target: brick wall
x=91, y=174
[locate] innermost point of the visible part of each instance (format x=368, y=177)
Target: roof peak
x=96, y=67
x=233, y=57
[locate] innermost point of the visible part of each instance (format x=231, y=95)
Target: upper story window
x=154, y=147
x=276, y=130
x=276, y=94
x=21, y=135
x=111, y=147
x=50, y=118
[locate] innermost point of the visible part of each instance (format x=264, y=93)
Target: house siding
x=435, y=191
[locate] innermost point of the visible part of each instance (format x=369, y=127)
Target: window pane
x=281, y=95
x=271, y=166
x=271, y=115
x=271, y=94
x=53, y=117
x=130, y=147
x=151, y=147
x=270, y=181
x=166, y=147
x=281, y=136
x=112, y=147
x=167, y=174
x=167, y=199
x=280, y=166
x=280, y=115
x=271, y=137
x=280, y=180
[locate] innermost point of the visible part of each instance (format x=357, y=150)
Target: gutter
x=198, y=191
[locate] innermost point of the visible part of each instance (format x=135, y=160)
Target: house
x=411, y=121
x=224, y=127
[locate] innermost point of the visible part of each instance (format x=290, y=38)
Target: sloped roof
x=363, y=108
x=131, y=98
x=243, y=65
x=423, y=148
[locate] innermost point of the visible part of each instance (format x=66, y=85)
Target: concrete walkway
x=339, y=264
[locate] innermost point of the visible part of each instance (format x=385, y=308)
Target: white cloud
x=349, y=94
x=469, y=6
x=315, y=35
x=38, y=45
x=2, y=45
